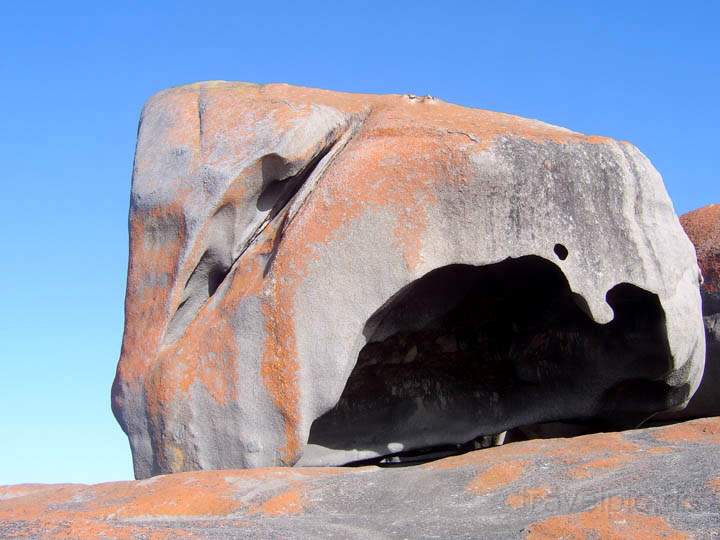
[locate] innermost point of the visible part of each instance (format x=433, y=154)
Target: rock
x=703, y=228
x=652, y=483
x=319, y=278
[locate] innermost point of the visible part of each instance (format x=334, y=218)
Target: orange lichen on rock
x=31, y=503
x=715, y=484
x=78, y=511
x=21, y=490
x=208, y=351
x=279, y=374
x=497, y=476
x=268, y=222
x=703, y=228
x=702, y=431
x=517, y=487
x=612, y=519
x=495, y=455
x=120, y=509
x=659, y=450
x=527, y=496
x=585, y=447
x=602, y=464
x=290, y=501
x=152, y=268
x=173, y=495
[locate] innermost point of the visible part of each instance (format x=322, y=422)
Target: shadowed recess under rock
x=465, y=351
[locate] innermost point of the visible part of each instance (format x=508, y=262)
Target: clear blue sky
x=74, y=78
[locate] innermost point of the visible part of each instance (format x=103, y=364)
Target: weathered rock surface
x=703, y=228
x=645, y=484
x=321, y=278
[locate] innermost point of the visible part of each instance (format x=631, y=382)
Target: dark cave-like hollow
x=466, y=352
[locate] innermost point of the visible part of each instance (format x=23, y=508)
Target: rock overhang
x=269, y=223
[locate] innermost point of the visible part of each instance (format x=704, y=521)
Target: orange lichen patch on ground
x=660, y=450
x=586, y=470
x=495, y=455
x=21, y=490
x=122, y=510
x=20, y=503
x=715, y=484
x=184, y=494
x=291, y=501
x=499, y=454
x=702, y=431
x=612, y=519
x=290, y=475
x=75, y=511
x=97, y=511
x=527, y=496
x=318, y=472
x=497, y=476
x=208, y=494
x=80, y=528
x=586, y=447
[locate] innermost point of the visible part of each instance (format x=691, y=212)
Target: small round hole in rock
x=561, y=251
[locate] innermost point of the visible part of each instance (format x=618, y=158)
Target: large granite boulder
x=319, y=278
x=703, y=228
x=645, y=484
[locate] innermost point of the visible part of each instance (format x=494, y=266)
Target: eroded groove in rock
x=549, y=279
x=277, y=191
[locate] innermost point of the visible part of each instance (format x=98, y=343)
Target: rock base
x=652, y=483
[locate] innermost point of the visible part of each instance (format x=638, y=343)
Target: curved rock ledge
x=652, y=483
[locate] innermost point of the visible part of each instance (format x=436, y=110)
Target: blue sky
x=75, y=76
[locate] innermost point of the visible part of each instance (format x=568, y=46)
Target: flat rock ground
x=649, y=483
